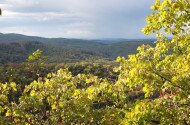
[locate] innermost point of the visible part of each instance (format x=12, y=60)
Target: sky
x=75, y=18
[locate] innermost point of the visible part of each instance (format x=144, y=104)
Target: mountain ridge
x=16, y=48
x=14, y=37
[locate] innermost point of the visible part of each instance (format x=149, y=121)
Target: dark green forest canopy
x=13, y=49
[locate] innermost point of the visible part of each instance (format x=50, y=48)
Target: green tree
x=36, y=63
x=36, y=56
x=163, y=69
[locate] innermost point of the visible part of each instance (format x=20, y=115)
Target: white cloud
x=19, y=30
x=38, y=15
x=76, y=18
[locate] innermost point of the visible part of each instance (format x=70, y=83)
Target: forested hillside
x=15, y=48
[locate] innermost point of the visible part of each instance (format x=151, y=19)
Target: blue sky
x=75, y=18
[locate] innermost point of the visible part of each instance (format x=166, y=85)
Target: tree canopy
x=164, y=68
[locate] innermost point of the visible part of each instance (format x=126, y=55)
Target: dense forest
x=16, y=48
x=77, y=82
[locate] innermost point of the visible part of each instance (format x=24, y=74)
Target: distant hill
x=16, y=48
x=11, y=37
x=19, y=51
x=116, y=40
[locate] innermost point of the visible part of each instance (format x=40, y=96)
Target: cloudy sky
x=75, y=18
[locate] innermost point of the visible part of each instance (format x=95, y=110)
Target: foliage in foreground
x=61, y=98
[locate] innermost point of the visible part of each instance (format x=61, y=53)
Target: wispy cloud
x=75, y=18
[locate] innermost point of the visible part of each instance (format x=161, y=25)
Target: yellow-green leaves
x=172, y=16
x=35, y=56
x=13, y=86
x=32, y=93
x=162, y=72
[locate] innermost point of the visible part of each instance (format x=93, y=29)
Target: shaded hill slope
x=16, y=48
